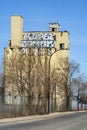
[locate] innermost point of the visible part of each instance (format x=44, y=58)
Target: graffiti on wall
x=38, y=40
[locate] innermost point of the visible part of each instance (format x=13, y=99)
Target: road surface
x=74, y=121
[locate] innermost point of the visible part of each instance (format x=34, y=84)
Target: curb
x=34, y=118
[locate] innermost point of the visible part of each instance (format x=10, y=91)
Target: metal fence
x=19, y=107
x=8, y=110
x=15, y=110
x=75, y=104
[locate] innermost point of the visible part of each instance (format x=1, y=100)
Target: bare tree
x=60, y=86
x=27, y=77
x=66, y=72
x=80, y=89
x=1, y=72
x=1, y=80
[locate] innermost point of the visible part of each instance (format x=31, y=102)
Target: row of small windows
x=40, y=50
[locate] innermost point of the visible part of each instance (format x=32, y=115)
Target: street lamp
x=49, y=109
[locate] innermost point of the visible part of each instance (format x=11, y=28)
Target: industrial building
x=34, y=64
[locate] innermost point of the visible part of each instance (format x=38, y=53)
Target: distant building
x=27, y=49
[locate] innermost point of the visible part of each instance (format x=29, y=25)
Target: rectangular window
x=62, y=46
x=53, y=29
x=9, y=42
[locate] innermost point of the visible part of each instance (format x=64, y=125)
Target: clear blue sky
x=70, y=14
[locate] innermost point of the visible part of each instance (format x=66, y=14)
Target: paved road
x=74, y=121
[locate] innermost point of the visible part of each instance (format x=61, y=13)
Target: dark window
x=53, y=29
x=9, y=43
x=61, y=46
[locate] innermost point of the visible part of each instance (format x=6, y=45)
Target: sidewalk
x=33, y=118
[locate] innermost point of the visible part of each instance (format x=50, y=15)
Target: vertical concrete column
x=16, y=30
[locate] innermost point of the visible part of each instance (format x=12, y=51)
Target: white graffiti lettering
x=38, y=40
